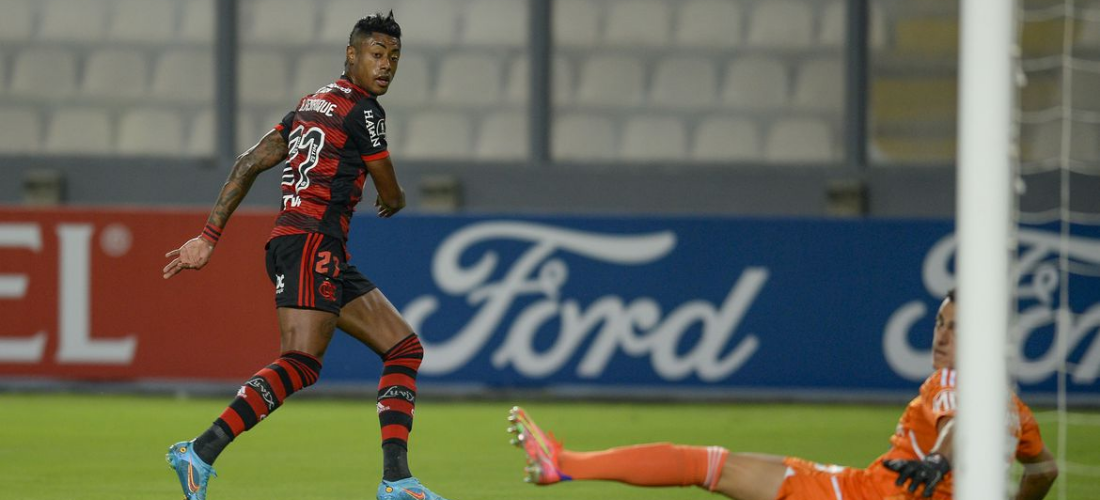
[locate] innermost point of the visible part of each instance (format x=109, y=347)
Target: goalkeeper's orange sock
x=658, y=464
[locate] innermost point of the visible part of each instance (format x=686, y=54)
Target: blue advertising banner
x=720, y=305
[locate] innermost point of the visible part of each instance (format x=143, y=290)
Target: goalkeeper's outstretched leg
x=918, y=463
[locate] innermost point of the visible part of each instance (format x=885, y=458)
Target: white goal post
x=986, y=244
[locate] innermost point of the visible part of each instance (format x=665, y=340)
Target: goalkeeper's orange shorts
x=813, y=481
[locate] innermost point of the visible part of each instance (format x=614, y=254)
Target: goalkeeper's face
x=943, y=339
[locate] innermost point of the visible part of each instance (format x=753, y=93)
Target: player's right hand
x=929, y=472
x=192, y=255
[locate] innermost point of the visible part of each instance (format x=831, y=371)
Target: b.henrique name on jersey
x=330, y=136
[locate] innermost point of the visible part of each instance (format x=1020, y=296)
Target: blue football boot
x=193, y=473
x=405, y=489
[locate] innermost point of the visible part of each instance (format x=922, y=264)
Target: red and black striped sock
x=396, y=400
x=257, y=398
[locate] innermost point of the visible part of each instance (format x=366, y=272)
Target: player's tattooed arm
x=270, y=151
x=196, y=252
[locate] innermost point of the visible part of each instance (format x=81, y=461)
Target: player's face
x=943, y=339
x=373, y=64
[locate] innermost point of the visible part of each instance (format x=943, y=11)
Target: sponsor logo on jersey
x=279, y=284
x=332, y=86
x=376, y=129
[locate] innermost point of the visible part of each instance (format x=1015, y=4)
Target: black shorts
x=310, y=271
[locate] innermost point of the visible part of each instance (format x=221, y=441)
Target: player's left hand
x=929, y=472
x=386, y=211
x=192, y=255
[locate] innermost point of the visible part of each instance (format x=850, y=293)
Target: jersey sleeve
x=1031, y=442
x=366, y=127
x=284, y=126
x=938, y=395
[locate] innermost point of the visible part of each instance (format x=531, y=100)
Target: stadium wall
x=630, y=306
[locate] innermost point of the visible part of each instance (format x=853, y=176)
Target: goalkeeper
x=918, y=464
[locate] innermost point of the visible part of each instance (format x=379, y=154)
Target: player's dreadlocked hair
x=374, y=23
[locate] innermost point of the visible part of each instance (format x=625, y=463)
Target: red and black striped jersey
x=330, y=136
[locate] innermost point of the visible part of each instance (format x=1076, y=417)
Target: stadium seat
x=1043, y=142
x=439, y=135
x=43, y=73
x=201, y=133
x=184, y=75
x=834, y=26
x=504, y=136
x=1085, y=84
x=263, y=78
x=79, y=131
x=412, y=84
x=638, y=23
x=115, y=73
x=142, y=21
x=519, y=81
x=584, y=137
x=726, y=139
x=197, y=21
x=799, y=140
x=468, y=79
x=318, y=68
x=1088, y=34
x=281, y=22
x=932, y=37
x=756, y=82
x=820, y=85
x=608, y=80
x=20, y=130
x=17, y=23
x=652, y=138
x=708, y=23
x=916, y=97
x=684, y=82
x=781, y=24
x=150, y=132
x=73, y=20
x=339, y=17
x=427, y=22
x=500, y=23
x=576, y=23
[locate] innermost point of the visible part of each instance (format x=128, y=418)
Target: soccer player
x=331, y=141
x=917, y=463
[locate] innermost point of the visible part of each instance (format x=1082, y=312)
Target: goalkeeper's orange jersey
x=917, y=429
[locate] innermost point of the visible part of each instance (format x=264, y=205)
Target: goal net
x=1055, y=342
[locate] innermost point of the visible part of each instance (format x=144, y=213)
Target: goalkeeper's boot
x=193, y=473
x=405, y=489
x=541, y=448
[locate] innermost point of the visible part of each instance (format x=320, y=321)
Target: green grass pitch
x=64, y=447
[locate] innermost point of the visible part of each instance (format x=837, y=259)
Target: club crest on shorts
x=327, y=290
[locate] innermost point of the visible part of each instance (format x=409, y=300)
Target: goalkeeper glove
x=929, y=472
